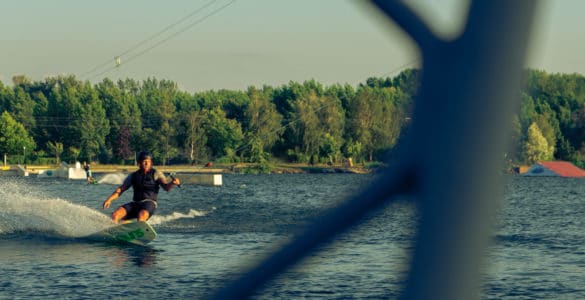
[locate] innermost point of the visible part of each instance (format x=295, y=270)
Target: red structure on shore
x=555, y=168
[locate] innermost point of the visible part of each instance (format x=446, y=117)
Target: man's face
x=145, y=164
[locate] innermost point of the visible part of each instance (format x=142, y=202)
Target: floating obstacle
x=64, y=171
x=201, y=179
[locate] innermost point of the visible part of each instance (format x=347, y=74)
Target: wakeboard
x=138, y=233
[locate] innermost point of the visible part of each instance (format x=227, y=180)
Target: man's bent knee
x=143, y=215
x=118, y=214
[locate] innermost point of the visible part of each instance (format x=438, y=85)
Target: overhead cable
x=118, y=58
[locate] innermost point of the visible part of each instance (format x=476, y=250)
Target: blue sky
x=249, y=42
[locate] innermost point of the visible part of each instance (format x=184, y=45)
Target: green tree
x=22, y=108
x=515, y=153
x=13, y=136
x=40, y=132
x=64, y=114
x=353, y=149
x=329, y=147
x=6, y=94
x=57, y=149
x=224, y=136
x=344, y=93
x=376, y=118
x=536, y=146
x=190, y=125
x=234, y=104
x=74, y=152
x=20, y=80
x=144, y=140
x=577, y=132
x=121, y=109
x=306, y=128
x=547, y=129
x=157, y=103
x=262, y=124
x=94, y=127
x=123, y=148
x=194, y=137
x=332, y=123
x=408, y=81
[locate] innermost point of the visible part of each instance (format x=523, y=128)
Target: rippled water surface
x=209, y=234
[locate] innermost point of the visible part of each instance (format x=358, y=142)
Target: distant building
x=554, y=169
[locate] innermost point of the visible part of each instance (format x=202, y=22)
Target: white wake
x=21, y=210
x=116, y=179
x=160, y=219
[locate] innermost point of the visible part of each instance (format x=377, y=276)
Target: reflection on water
x=70, y=251
x=140, y=256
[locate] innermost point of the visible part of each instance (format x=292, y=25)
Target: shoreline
x=238, y=168
x=235, y=169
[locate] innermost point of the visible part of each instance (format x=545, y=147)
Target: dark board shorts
x=132, y=208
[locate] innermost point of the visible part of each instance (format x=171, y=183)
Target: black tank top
x=144, y=185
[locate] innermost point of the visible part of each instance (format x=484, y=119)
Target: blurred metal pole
x=469, y=90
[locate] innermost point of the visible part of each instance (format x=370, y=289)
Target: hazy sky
x=234, y=44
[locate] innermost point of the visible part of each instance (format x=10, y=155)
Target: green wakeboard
x=138, y=233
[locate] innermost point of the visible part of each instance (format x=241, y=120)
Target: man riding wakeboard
x=146, y=182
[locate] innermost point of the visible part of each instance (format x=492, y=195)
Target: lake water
x=209, y=234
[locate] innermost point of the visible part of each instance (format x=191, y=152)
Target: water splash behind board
x=22, y=209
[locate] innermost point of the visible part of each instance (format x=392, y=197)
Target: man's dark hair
x=144, y=155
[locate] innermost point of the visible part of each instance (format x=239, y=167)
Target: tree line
x=62, y=118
